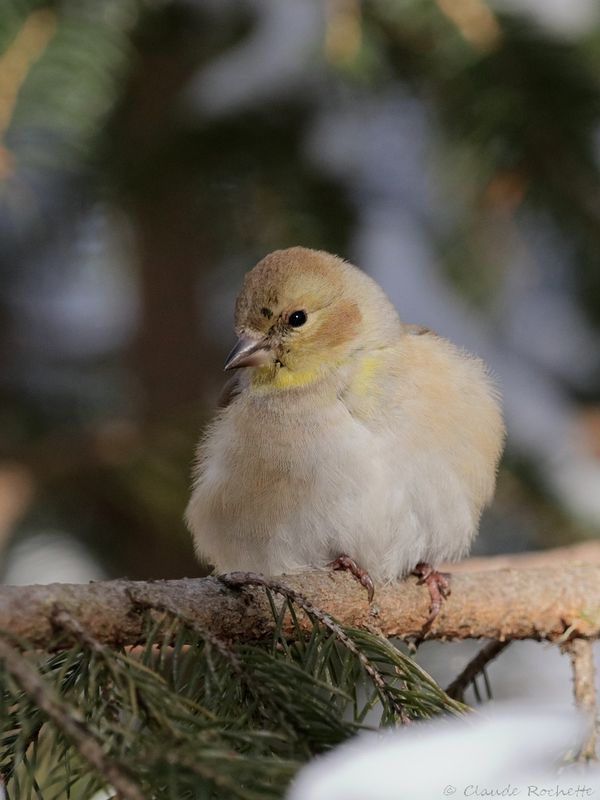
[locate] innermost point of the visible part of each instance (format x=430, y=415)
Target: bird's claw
x=438, y=584
x=362, y=576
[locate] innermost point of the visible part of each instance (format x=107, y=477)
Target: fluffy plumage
x=351, y=433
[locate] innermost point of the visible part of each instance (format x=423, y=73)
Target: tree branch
x=554, y=602
x=584, y=689
x=587, y=552
x=477, y=665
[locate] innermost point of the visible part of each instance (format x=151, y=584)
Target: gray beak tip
x=248, y=352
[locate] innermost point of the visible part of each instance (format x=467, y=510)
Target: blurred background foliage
x=151, y=151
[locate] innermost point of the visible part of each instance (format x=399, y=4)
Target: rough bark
x=556, y=603
x=587, y=552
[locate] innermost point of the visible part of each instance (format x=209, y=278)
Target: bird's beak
x=249, y=352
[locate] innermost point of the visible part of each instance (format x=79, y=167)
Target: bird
x=346, y=438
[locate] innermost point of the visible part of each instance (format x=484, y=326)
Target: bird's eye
x=297, y=318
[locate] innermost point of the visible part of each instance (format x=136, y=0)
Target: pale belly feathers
x=314, y=486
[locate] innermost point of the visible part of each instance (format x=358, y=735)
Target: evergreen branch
x=195, y=716
x=66, y=720
x=240, y=579
x=538, y=602
x=146, y=603
x=474, y=668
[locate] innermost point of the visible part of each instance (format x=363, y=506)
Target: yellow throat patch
x=277, y=377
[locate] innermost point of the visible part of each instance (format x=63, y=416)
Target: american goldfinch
x=347, y=435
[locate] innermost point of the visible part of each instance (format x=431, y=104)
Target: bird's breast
x=273, y=461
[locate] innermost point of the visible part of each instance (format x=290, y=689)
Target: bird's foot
x=438, y=584
x=362, y=576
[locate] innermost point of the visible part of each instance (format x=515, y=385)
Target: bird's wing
x=418, y=330
x=229, y=392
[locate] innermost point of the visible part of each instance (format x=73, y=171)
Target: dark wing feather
x=229, y=392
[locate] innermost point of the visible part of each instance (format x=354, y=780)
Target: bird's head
x=304, y=312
